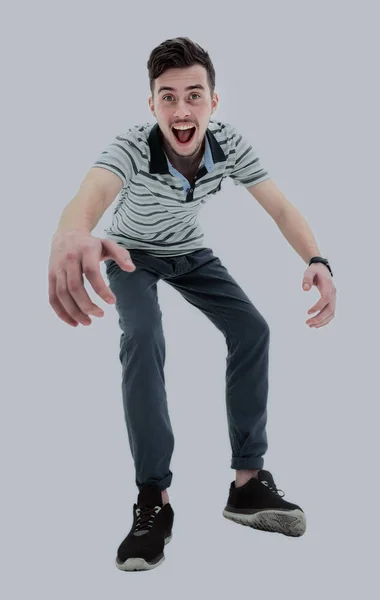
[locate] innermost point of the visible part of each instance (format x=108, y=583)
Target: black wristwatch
x=316, y=259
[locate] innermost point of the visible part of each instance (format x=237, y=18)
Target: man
x=164, y=172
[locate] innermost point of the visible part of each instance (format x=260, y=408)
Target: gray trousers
x=203, y=281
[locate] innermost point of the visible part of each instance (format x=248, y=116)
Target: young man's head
x=182, y=83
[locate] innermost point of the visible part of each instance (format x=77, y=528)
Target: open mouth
x=183, y=137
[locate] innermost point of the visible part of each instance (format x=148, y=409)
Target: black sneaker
x=143, y=548
x=258, y=504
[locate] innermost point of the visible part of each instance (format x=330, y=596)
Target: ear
x=214, y=103
x=151, y=105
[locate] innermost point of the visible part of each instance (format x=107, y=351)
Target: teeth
x=183, y=127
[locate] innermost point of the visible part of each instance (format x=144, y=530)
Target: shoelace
x=273, y=488
x=145, y=516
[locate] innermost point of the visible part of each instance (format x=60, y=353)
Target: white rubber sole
x=140, y=564
x=289, y=522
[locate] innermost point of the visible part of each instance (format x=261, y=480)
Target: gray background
x=300, y=80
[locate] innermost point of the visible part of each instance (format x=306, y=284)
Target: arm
x=96, y=193
x=75, y=252
x=299, y=235
x=289, y=220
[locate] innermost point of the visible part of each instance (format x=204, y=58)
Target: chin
x=186, y=153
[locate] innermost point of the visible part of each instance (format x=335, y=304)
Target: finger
x=78, y=292
x=326, y=312
x=325, y=322
x=56, y=305
x=91, y=268
x=324, y=300
x=321, y=315
x=120, y=255
x=67, y=302
x=320, y=305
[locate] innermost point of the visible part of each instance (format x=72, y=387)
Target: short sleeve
x=247, y=170
x=122, y=156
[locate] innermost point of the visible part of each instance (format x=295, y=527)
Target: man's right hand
x=75, y=253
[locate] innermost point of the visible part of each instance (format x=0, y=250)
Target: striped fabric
x=157, y=209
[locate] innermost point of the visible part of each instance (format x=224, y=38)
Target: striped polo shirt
x=157, y=208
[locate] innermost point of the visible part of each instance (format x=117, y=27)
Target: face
x=187, y=102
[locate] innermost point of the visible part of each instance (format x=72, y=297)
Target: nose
x=182, y=110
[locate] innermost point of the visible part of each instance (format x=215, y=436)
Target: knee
x=258, y=328
x=142, y=340
x=264, y=328
x=254, y=329
x=142, y=330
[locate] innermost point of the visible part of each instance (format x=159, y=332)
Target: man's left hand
x=318, y=274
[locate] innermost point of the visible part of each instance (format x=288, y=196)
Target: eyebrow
x=197, y=86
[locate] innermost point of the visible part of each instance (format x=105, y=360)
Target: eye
x=170, y=96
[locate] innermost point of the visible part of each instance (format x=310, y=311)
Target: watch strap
x=322, y=260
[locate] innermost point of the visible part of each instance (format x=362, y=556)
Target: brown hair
x=177, y=53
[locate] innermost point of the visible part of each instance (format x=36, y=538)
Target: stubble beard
x=196, y=151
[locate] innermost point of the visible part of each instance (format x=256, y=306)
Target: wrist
x=324, y=261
